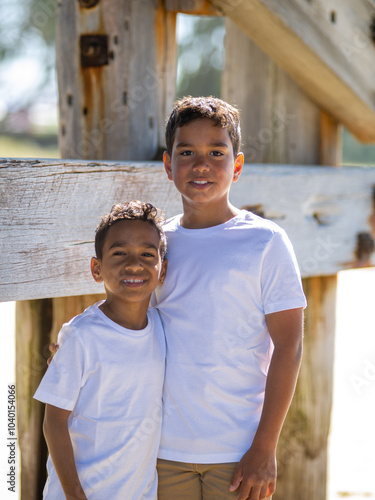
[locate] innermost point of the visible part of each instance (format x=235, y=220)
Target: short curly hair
x=130, y=210
x=189, y=109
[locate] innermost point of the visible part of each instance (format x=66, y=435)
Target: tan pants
x=181, y=481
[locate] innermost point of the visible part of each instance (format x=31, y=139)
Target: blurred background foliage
x=28, y=88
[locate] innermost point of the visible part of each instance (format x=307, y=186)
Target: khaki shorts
x=182, y=481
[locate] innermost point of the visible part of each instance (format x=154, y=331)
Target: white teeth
x=201, y=182
x=133, y=281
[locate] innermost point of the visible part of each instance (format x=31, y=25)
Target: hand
x=255, y=475
x=53, y=348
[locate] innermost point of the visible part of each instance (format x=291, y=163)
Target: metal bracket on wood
x=94, y=50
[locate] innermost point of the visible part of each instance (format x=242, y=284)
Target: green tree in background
x=27, y=33
x=200, y=55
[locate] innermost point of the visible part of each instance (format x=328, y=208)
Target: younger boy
x=232, y=309
x=103, y=388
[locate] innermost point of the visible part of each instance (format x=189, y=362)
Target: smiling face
x=131, y=266
x=202, y=165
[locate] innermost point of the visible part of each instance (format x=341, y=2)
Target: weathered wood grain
x=322, y=209
x=325, y=46
x=33, y=322
x=49, y=210
x=104, y=108
x=194, y=7
x=279, y=123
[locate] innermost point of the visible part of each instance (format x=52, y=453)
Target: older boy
x=232, y=309
x=103, y=388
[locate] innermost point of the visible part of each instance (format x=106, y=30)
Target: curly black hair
x=130, y=210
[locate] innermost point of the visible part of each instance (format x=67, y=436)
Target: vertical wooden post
x=281, y=125
x=114, y=85
x=33, y=324
x=331, y=141
x=116, y=68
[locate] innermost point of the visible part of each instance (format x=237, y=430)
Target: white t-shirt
x=220, y=284
x=111, y=378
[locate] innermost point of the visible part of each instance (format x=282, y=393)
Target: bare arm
x=255, y=475
x=55, y=428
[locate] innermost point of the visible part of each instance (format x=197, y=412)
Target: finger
x=49, y=360
x=264, y=492
x=255, y=493
x=53, y=347
x=247, y=490
x=236, y=479
x=271, y=489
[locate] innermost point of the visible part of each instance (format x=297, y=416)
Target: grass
x=26, y=148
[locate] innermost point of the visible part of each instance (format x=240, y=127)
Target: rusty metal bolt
x=94, y=50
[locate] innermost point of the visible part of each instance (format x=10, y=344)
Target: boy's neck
x=130, y=316
x=199, y=217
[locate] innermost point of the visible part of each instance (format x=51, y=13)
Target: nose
x=201, y=164
x=133, y=264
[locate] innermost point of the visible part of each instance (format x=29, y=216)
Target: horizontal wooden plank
x=323, y=209
x=49, y=210
x=48, y=214
x=324, y=45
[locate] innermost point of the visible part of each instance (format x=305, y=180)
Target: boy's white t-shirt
x=111, y=379
x=220, y=284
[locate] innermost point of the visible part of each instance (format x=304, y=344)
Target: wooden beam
x=49, y=210
x=194, y=7
x=325, y=46
x=279, y=123
x=330, y=140
x=57, y=209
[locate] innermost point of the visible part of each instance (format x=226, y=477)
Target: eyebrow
x=119, y=244
x=212, y=144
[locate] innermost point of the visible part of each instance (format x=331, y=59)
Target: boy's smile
x=202, y=165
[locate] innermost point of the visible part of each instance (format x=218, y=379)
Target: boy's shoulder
x=172, y=224
x=82, y=322
x=244, y=220
x=249, y=220
x=84, y=316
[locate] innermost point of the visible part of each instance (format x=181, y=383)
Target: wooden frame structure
x=298, y=70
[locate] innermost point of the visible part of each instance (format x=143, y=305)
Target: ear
x=167, y=164
x=95, y=270
x=163, y=271
x=238, y=166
